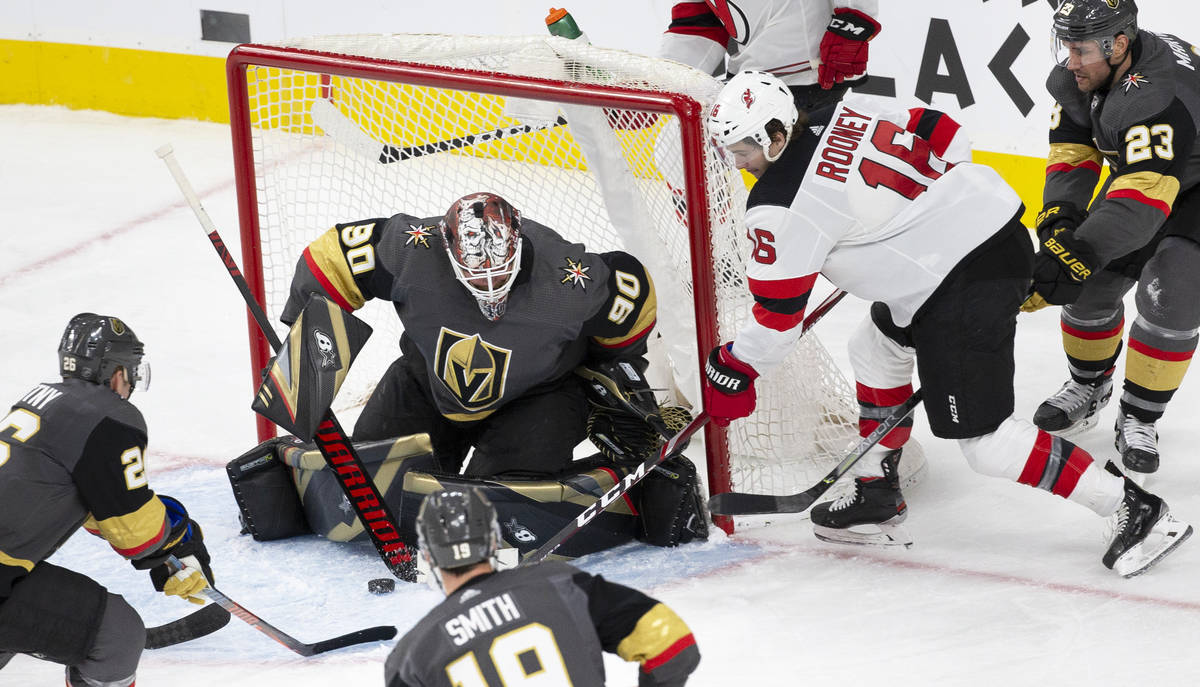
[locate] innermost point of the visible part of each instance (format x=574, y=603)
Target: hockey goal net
x=604, y=146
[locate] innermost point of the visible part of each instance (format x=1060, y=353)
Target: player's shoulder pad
x=1149, y=87
x=780, y=183
x=93, y=403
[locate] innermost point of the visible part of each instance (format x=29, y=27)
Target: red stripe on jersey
x=617, y=478
x=777, y=321
x=1035, y=465
x=914, y=118
x=943, y=134
x=145, y=546
x=1133, y=194
x=669, y=653
x=1089, y=165
x=883, y=398
x=631, y=340
x=782, y=288
x=688, y=10
x=1094, y=336
x=1077, y=464
x=1159, y=354
x=330, y=289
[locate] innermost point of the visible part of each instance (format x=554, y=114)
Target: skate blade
x=1078, y=428
x=866, y=535
x=1168, y=533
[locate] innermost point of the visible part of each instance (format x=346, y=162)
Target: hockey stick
x=336, y=125
x=739, y=503
x=371, y=634
x=195, y=625
x=331, y=440
x=669, y=450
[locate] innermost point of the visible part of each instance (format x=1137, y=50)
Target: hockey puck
x=381, y=585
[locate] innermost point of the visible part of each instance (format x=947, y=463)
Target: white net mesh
x=611, y=178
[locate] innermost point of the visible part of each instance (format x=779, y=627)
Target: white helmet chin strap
x=767, y=148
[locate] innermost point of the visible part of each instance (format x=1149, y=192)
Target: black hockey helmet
x=1076, y=21
x=457, y=528
x=94, y=346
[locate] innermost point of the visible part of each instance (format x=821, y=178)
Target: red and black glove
x=728, y=386
x=844, y=46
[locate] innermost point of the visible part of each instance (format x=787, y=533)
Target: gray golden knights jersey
x=883, y=204
x=566, y=304
x=72, y=454
x=550, y=620
x=1144, y=127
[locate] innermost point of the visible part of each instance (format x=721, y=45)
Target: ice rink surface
x=1004, y=585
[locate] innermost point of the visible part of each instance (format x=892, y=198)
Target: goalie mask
x=746, y=105
x=482, y=235
x=94, y=346
x=1087, y=30
x=456, y=529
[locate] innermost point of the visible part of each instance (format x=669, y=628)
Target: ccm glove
x=186, y=542
x=844, y=46
x=1059, y=270
x=728, y=386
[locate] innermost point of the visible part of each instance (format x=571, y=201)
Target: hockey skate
x=1143, y=531
x=870, y=514
x=1073, y=408
x=1137, y=442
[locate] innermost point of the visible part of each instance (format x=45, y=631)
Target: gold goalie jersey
x=883, y=204
x=566, y=305
x=1144, y=127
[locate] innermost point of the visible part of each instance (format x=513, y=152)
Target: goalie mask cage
x=606, y=147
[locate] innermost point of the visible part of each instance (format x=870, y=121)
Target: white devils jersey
x=883, y=205
x=782, y=37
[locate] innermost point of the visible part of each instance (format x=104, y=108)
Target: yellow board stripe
x=141, y=83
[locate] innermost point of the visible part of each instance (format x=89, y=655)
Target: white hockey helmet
x=482, y=235
x=747, y=104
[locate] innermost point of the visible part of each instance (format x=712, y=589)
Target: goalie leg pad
x=671, y=506
x=55, y=613
x=265, y=494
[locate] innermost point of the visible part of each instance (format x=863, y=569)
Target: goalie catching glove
x=728, y=386
x=844, y=46
x=186, y=542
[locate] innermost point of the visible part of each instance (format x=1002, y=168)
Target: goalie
x=498, y=312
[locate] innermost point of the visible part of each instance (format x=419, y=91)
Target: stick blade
x=203, y=622
x=739, y=503
x=379, y=633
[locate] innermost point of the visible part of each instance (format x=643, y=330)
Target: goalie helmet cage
x=607, y=147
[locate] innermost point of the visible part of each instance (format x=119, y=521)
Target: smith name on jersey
x=883, y=205
x=1144, y=127
x=565, y=305
x=551, y=621
x=72, y=454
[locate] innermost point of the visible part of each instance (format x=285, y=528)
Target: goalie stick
x=740, y=503
x=339, y=127
x=371, y=634
x=194, y=625
x=332, y=441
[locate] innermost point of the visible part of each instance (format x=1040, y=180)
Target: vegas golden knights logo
x=471, y=368
x=1113, y=3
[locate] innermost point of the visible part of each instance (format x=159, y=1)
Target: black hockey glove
x=1057, y=216
x=185, y=542
x=1061, y=266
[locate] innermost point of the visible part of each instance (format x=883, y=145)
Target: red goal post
x=607, y=147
